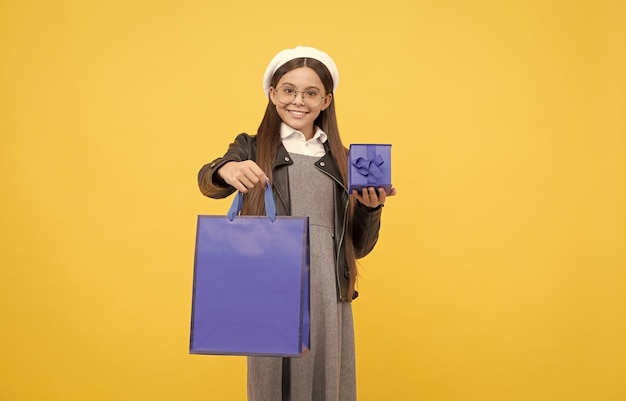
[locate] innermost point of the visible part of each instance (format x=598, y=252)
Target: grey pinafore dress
x=327, y=371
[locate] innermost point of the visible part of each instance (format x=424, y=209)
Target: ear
x=273, y=95
x=326, y=102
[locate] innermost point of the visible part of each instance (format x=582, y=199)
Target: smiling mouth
x=297, y=113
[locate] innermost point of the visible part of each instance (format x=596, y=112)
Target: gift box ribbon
x=370, y=167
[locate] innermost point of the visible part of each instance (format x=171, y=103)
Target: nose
x=295, y=97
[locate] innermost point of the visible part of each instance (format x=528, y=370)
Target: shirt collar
x=286, y=131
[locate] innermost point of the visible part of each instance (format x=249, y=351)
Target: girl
x=298, y=148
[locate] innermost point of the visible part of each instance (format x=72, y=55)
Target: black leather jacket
x=366, y=221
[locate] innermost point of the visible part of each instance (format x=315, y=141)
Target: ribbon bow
x=370, y=167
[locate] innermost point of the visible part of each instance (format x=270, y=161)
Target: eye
x=287, y=91
x=313, y=94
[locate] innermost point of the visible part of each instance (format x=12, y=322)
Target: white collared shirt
x=295, y=142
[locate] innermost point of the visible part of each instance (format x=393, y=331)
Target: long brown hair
x=268, y=142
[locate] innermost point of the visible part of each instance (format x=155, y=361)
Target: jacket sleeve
x=212, y=184
x=365, y=228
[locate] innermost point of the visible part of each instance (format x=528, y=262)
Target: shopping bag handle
x=270, y=205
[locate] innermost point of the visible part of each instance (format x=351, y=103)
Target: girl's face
x=300, y=112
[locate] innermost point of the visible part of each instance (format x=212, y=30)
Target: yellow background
x=501, y=270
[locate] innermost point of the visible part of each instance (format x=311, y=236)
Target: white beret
x=299, y=52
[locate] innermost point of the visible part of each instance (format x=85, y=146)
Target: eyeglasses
x=310, y=97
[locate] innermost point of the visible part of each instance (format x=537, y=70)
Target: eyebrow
x=308, y=87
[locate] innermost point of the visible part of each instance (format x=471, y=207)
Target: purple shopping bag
x=251, y=284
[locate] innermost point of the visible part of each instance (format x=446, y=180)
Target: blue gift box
x=369, y=165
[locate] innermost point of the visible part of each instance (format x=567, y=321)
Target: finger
x=377, y=196
x=373, y=196
x=240, y=181
x=239, y=186
x=357, y=195
x=365, y=196
x=254, y=173
x=369, y=197
x=248, y=178
x=382, y=196
x=248, y=183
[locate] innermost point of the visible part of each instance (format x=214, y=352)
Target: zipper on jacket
x=343, y=233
